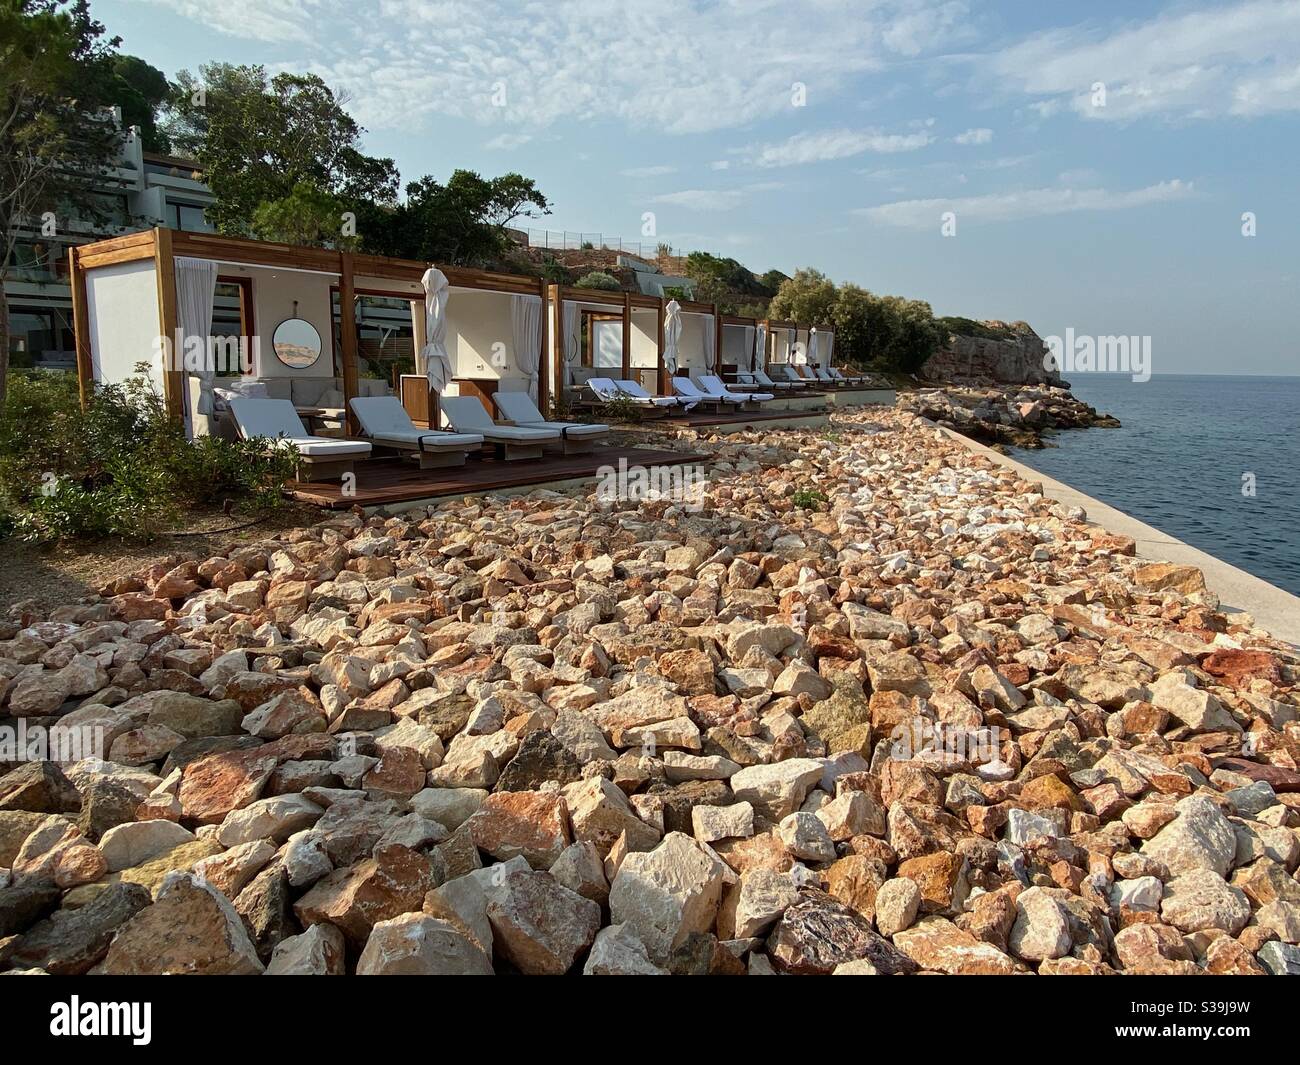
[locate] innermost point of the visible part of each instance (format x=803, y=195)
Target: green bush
x=809, y=499
x=599, y=279
x=121, y=466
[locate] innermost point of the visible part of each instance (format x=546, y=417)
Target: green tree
x=808, y=297
x=257, y=138
x=461, y=223
x=308, y=216
x=55, y=140
x=141, y=91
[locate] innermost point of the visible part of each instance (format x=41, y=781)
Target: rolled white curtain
x=710, y=342
x=672, y=334
x=812, y=346
x=437, y=363
x=749, y=345
x=572, y=352
x=196, y=289
x=758, y=356
x=526, y=318
x=827, y=345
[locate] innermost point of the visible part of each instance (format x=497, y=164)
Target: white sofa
x=323, y=393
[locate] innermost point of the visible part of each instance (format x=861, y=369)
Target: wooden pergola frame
x=617, y=303
x=163, y=245
x=774, y=324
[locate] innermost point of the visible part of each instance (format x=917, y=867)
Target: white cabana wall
x=695, y=349
x=122, y=321
x=481, y=339
x=644, y=355
x=274, y=293
x=802, y=344
x=737, y=345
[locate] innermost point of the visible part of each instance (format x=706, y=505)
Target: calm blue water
x=1178, y=462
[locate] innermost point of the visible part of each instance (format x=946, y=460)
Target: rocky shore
x=1005, y=415
x=875, y=706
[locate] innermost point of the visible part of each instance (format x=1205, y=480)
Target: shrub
x=121, y=466
x=599, y=279
x=809, y=499
x=621, y=409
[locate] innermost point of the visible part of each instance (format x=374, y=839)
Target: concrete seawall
x=1272, y=608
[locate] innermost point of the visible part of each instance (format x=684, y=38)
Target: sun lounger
x=849, y=379
x=385, y=421
x=274, y=420
x=577, y=437
x=791, y=374
x=467, y=415
x=636, y=391
x=690, y=391
x=766, y=382
x=713, y=386
x=607, y=391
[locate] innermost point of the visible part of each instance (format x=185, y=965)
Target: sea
x=1211, y=460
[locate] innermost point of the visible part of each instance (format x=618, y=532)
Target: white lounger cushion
x=763, y=379
x=714, y=386
x=385, y=421
x=467, y=413
x=635, y=391
x=687, y=388
x=276, y=420
x=520, y=409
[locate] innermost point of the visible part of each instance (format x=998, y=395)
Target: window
x=177, y=170
x=385, y=335
x=232, y=311
x=185, y=216
x=603, y=336
x=42, y=338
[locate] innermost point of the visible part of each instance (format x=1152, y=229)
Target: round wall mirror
x=296, y=343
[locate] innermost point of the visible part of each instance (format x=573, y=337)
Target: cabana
x=741, y=342
x=317, y=327
x=601, y=333
x=699, y=341
x=780, y=341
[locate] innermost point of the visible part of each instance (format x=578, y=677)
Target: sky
x=1092, y=167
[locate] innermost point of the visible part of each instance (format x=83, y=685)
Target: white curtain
x=196, y=288
x=437, y=363
x=526, y=318
x=672, y=334
x=827, y=346
x=749, y=347
x=758, y=356
x=571, y=350
x=812, y=346
x=710, y=342
x=792, y=345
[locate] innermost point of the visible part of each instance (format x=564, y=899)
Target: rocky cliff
x=991, y=353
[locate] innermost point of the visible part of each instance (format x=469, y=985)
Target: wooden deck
x=383, y=481
x=698, y=419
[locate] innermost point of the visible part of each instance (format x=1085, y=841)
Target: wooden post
x=557, y=327
x=627, y=336
x=543, y=391
x=662, y=383
x=348, y=340
x=81, y=329
x=165, y=269
x=717, y=342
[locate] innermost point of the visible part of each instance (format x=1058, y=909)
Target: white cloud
x=1017, y=206
x=982, y=135
x=677, y=66
x=508, y=141
x=825, y=145
x=647, y=171
x=273, y=21
x=703, y=199
x=716, y=199
x=1242, y=58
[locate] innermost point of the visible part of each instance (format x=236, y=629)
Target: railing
x=574, y=240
